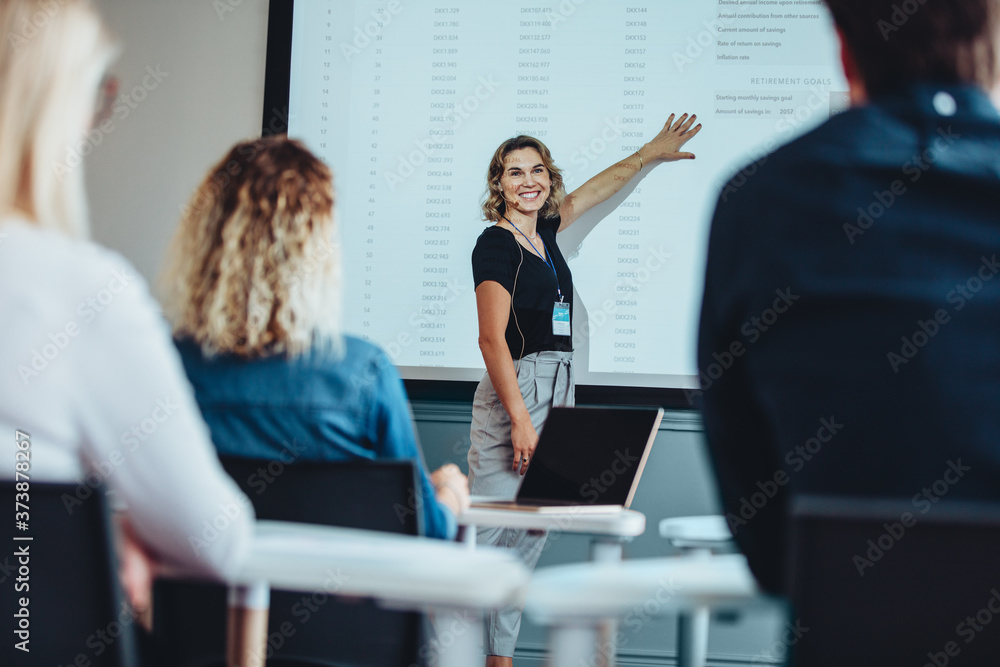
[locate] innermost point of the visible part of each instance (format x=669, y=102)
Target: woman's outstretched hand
x=667, y=144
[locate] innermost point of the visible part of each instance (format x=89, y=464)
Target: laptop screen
x=589, y=456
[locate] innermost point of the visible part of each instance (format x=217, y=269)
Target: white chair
x=695, y=536
x=576, y=601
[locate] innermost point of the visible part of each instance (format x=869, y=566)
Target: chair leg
x=467, y=535
x=457, y=638
x=606, y=551
x=246, y=629
x=692, y=638
x=574, y=646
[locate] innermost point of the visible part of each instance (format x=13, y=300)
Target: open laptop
x=590, y=459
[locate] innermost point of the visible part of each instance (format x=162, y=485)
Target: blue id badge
x=560, y=319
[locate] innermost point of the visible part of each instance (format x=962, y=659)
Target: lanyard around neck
x=548, y=262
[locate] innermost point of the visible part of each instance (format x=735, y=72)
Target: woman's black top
x=496, y=257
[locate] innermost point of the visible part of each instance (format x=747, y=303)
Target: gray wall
x=209, y=96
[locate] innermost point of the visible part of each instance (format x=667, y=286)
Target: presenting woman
x=524, y=296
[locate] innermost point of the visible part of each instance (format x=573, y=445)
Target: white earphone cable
x=514, y=312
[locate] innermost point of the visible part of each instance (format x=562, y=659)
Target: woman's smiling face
x=525, y=182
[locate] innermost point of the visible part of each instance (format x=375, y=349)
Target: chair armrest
x=400, y=571
x=697, y=532
x=590, y=592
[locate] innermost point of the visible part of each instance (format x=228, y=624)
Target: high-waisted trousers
x=545, y=380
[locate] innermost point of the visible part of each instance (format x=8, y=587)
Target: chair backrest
x=305, y=628
x=894, y=582
x=60, y=583
x=371, y=495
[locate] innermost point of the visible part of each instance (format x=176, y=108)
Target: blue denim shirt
x=315, y=408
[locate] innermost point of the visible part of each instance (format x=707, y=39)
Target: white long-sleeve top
x=88, y=371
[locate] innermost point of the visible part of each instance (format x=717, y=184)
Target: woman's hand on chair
x=451, y=487
x=136, y=571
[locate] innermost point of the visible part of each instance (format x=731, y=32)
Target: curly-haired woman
x=252, y=287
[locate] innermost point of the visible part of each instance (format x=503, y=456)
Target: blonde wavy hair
x=494, y=204
x=52, y=61
x=254, y=268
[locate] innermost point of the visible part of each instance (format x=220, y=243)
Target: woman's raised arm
x=664, y=147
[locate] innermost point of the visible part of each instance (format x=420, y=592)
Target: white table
x=576, y=600
x=399, y=571
x=608, y=530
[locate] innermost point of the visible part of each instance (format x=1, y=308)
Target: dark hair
x=895, y=42
x=494, y=204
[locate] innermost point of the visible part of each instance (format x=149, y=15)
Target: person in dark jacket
x=849, y=331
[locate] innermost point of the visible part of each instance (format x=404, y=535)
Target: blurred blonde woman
x=252, y=287
x=86, y=361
